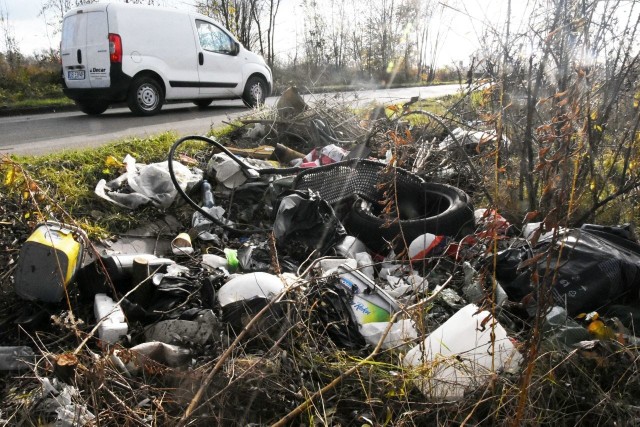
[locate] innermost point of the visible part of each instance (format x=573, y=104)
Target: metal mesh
x=338, y=181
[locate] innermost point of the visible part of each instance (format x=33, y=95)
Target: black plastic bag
x=305, y=222
x=586, y=270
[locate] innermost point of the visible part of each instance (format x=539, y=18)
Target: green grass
x=35, y=103
x=66, y=181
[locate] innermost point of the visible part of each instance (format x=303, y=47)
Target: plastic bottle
x=207, y=195
x=232, y=259
x=229, y=261
x=369, y=303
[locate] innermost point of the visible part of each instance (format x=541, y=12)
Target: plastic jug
x=460, y=355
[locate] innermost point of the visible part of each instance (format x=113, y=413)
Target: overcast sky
x=460, y=25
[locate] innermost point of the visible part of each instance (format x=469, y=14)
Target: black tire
x=145, y=96
x=93, y=108
x=255, y=92
x=441, y=210
x=202, y=103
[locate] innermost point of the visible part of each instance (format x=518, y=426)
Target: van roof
x=97, y=7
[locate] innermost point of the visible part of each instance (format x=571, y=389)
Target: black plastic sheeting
x=305, y=222
x=587, y=269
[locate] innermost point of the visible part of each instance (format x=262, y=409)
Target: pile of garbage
x=297, y=272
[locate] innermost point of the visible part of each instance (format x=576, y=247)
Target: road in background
x=52, y=132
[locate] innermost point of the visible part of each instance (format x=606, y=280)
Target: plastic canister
x=48, y=262
x=370, y=303
x=462, y=354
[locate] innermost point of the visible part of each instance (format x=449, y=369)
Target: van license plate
x=75, y=75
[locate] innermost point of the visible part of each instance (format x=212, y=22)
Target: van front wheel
x=145, y=97
x=255, y=92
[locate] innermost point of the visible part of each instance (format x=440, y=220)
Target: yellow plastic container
x=48, y=262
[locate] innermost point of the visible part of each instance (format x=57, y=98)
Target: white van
x=144, y=55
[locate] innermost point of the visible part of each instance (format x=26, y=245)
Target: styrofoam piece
x=460, y=355
x=114, y=324
x=214, y=261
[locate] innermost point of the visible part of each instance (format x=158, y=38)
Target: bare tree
x=235, y=15
x=12, y=54
x=54, y=10
x=274, y=5
x=575, y=66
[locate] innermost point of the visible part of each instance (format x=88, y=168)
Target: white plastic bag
x=147, y=184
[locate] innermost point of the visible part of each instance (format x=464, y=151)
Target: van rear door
x=85, y=50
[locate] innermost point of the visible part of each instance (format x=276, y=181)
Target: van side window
x=213, y=38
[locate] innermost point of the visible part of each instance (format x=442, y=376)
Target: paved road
x=45, y=133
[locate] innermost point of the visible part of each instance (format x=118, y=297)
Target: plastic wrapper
x=59, y=399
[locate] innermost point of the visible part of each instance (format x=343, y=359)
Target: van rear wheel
x=93, y=108
x=255, y=92
x=145, y=96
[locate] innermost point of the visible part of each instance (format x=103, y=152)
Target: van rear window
x=70, y=30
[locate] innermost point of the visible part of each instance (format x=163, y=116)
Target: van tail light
x=115, y=48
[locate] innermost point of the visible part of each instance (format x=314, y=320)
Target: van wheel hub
x=256, y=91
x=147, y=97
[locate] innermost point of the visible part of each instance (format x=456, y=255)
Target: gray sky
x=459, y=30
